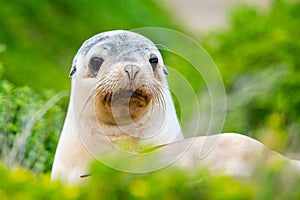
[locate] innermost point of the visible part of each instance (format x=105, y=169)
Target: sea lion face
x=126, y=71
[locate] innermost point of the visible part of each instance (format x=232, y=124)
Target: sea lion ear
x=165, y=71
x=73, y=70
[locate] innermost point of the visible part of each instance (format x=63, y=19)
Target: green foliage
x=106, y=183
x=29, y=132
x=41, y=37
x=1, y=69
x=258, y=57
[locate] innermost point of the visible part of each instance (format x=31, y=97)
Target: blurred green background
x=257, y=55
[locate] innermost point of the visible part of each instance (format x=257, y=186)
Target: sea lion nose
x=132, y=71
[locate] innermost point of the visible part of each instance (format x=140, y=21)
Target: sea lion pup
x=120, y=94
x=119, y=90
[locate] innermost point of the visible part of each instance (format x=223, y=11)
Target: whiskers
x=101, y=89
x=96, y=90
x=157, y=92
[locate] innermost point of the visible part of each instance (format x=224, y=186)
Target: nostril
x=132, y=71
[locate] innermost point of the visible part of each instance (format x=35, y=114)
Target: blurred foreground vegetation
x=258, y=56
x=106, y=183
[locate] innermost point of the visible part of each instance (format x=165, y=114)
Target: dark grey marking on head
x=87, y=45
x=123, y=36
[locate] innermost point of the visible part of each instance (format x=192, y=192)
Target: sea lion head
x=125, y=72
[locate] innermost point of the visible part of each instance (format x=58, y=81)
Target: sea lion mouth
x=127, y=96
x=123, y=106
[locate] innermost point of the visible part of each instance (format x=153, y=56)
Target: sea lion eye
x=153, y=61
x=95, y=63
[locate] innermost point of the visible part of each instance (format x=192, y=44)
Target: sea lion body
x=231, y=154
x=119, y=90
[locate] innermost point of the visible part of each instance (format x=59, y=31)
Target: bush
x=29, y=126
x=258, y=57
